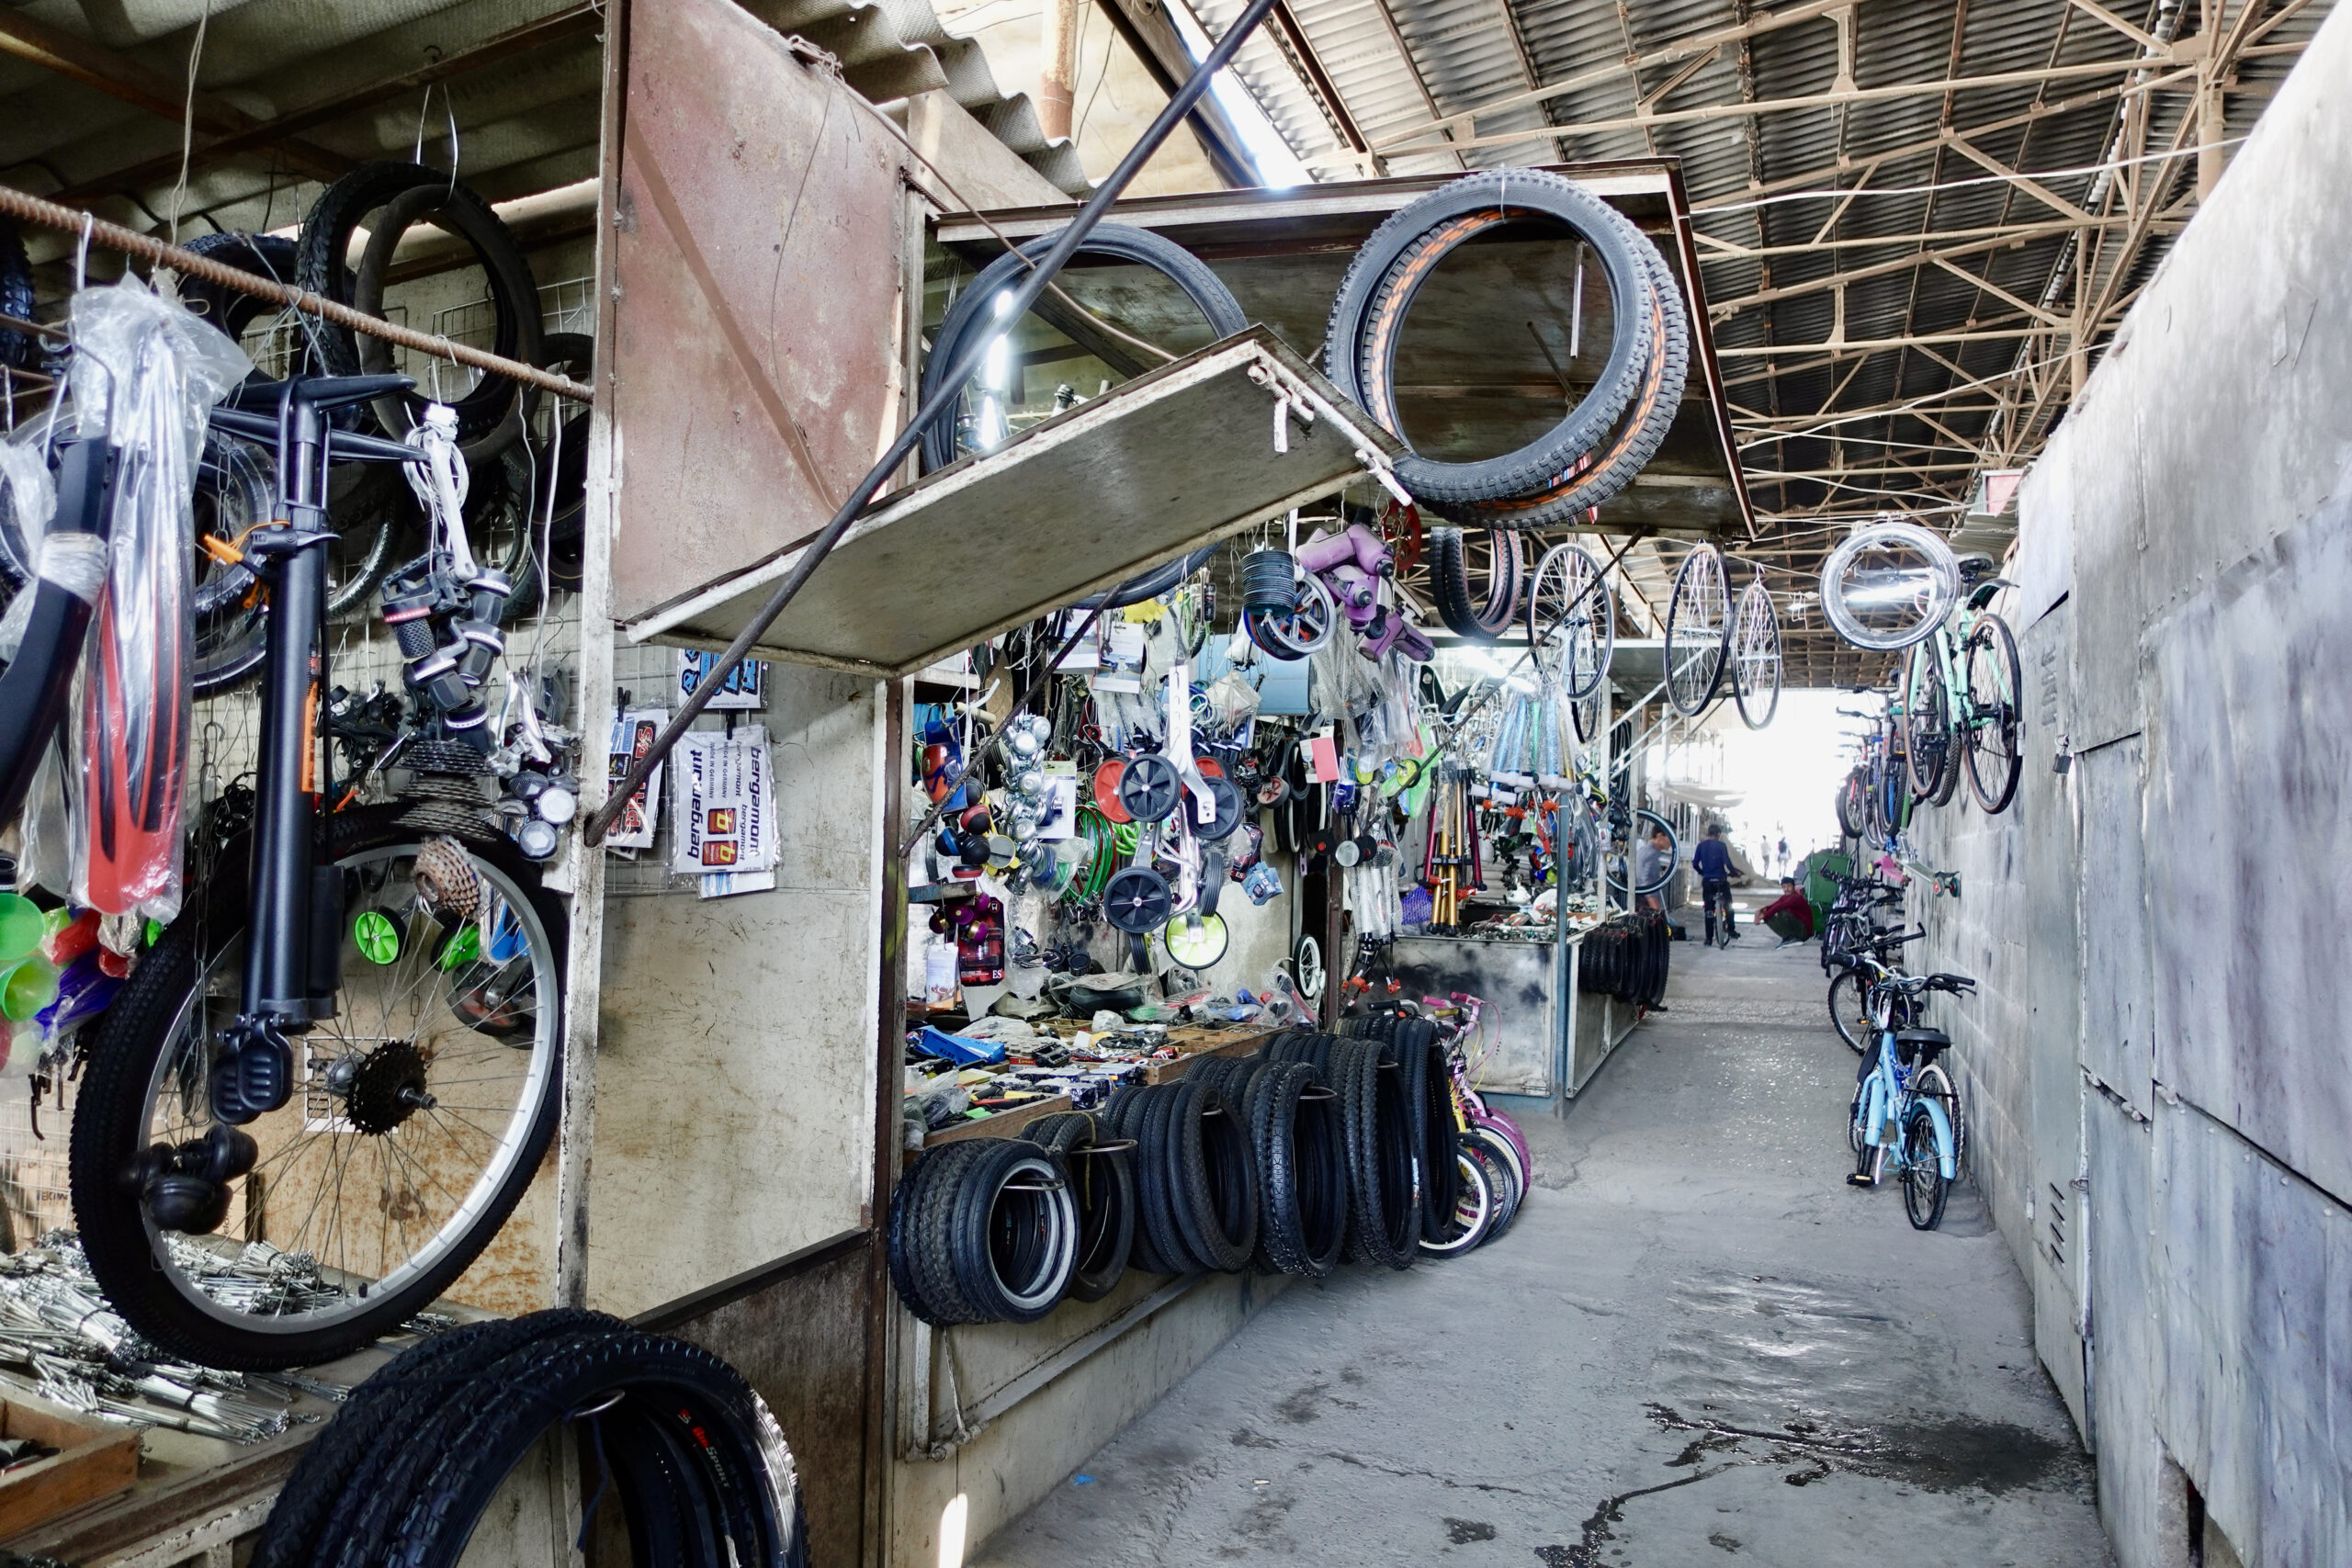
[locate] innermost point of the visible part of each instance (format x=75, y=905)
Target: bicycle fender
x=1947, y=1157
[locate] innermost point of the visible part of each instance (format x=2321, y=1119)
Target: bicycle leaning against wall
x=1906, y=1110
x=1960, y=703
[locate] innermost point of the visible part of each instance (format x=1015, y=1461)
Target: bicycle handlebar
x=344, y=446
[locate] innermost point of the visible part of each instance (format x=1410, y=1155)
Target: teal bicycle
x=1907, y=1112
x=1960, y=706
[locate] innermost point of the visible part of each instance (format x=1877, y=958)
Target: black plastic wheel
x=1150, y=787
x=1138, y=900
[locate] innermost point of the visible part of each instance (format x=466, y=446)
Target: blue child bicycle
x=1906, y=1109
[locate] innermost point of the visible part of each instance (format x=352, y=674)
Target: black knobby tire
x=110, y=1121
x=18, y=350
x=1436, y=1140
x=1103, y=1186
x=394, y=1400
x=1925, y=1190
x=1994, y=754
x=1610, y=465
x=483, y=413
x=690, y=1438
x=1851, y=820
x=1477, y=618
x=940, y=1182
x=1160, y=1176
x=1927, y=760
x=1214, y=1176
x=1848, y=993
x=1377, y=294
x=973, y=314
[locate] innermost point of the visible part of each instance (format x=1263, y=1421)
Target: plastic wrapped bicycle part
x=145, y=371
x=1889, y=585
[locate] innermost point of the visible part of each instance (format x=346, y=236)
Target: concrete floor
x=1696, y=1346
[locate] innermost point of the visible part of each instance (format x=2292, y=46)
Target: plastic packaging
x=144, y=373
x=28, y=501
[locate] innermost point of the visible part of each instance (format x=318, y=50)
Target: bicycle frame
x=1885, y=1100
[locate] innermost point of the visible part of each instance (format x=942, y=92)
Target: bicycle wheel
x=1306, y=963
x=1294, y=634
x=1624, y=840
x=1755, y=656
x=1926, y=724
x=1571, y=621
x=1475, y=1206
x=1889, y=585
x=1698, y=631
x=1924, y=1186
x=1476, y=606
x=1848, y=1008
x=424, y=1106
x=1934, y=1084
x=1992, y=754
x=1850, y=814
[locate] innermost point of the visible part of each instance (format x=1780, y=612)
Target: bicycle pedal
x=253, y=1075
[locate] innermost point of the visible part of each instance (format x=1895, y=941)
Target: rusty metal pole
x=1057, y=69
x=1066, y=244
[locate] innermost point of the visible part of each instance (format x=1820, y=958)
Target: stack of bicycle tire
x=681, y=1459
x=1317, y=1149
x=1617, y=426
x=1627, y=957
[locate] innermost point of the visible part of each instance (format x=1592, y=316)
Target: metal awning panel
x=1177, y=457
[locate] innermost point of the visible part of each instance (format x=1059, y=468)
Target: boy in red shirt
x=1789, y=917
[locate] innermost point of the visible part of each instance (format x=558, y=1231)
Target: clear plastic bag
x=144, y=373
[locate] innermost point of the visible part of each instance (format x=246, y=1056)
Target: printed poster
x=633, y=735
x=724, y=803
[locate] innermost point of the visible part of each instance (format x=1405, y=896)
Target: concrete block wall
x=2156, y=1059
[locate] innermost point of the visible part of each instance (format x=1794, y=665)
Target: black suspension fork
x=294, y=937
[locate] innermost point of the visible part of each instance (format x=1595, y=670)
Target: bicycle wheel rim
x=181, y=1066
x=1889, y=585
x=1926, y=722
x=1992, y=754
x=1756, y=657
x=1698, y=631
x=1923, y=1179
x=1571, y=621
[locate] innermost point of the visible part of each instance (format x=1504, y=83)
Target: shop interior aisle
x=1698, y=1345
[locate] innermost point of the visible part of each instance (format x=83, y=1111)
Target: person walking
x=1785, y=854
x=1711, y=861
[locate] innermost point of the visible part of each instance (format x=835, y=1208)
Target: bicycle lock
x=951, y=388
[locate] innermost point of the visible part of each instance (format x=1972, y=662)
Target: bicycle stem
x=951, y=388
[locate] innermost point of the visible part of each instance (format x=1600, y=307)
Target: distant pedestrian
x=1789, y=917
x=1711, y=861
x=1783, y=865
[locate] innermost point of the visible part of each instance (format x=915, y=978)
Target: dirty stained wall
x=2156, y=1064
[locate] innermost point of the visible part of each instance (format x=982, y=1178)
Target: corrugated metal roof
x=1474, y=53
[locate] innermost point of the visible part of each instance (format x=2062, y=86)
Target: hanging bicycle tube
x=1698, y=631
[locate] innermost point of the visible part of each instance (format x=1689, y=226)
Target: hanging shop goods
x=1889, y=585
x=1755, y=654
x=1371, y=1147
x=1571, y=623
x=1592, y=453
x=990, y=403
x=1627, y=957
x=226, y=1087
x=1481, y=612
x=1698, y=631
x=669, y=1436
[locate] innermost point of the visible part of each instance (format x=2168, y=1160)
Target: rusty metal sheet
x=1156, y=467
x=755, y=356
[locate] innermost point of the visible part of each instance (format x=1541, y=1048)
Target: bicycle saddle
x=1920, y=1044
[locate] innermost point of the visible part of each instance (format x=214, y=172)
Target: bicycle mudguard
x=1947, y=1150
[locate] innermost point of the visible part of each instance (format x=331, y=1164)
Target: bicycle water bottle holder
x=253, y=1074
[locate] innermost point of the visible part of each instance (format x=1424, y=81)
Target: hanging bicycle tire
x=1569, y=500
x=973, y=315
x=1572, y=622
x=1474, y=610
x=1889, y=585
x=487, y=412
x=1622, y=852
x=1755, y=656
x=1992, y=752
x=421, y=1110
x=1377, y=294
x=1698, y=631
x=1927, y=737
x=18, y=350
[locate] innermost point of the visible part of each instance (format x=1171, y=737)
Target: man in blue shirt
x=1711, y=861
